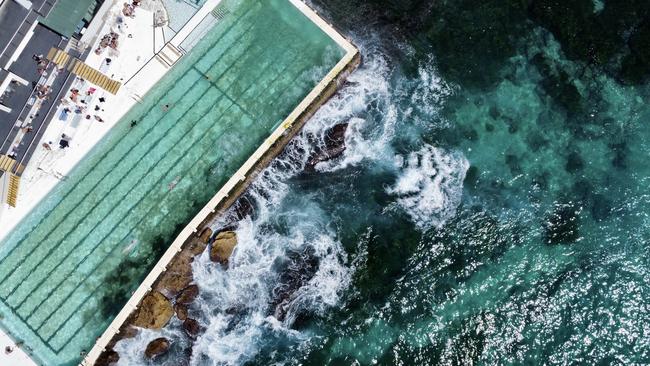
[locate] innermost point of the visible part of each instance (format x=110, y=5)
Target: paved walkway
x=17, y=357
x=50, y=164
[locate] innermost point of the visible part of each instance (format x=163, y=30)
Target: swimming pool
x=69, y=267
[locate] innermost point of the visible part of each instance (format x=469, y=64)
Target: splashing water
x=430, y=185
x=289, y=265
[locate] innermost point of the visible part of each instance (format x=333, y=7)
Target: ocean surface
x=491, y=206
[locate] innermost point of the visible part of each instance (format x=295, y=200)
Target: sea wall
x=170, y=274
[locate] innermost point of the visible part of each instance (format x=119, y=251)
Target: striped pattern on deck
x=14, y=183
x=6, y=163
x=59, y=57
x=88, y=73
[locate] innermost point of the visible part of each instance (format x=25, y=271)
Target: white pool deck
x=134, y=62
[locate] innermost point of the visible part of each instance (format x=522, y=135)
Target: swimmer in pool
x=130, y=247
x=173, y=183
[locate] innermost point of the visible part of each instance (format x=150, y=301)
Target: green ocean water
x=491, y=206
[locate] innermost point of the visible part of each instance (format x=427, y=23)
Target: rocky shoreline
x=174, y=292
x=172, y=295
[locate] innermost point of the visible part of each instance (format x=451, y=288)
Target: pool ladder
x=219, y=12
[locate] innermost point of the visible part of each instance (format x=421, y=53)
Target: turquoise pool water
x=69, y=267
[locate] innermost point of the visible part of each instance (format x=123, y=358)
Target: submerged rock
x=157, y=347
x=107, y=358
x=601, y=207
x=334, y=146
x=154, y=311
x=561, y=226
x=472, y=175
x=181, y=311
x=188, y=294
x=223, y=246
x=619, y=149
x=296, y=272
x=191, y=327
x=243, y=207
x=574, y=162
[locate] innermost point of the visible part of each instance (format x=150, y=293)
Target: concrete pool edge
x=241, y=179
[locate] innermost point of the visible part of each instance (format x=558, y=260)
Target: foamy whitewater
x=289, y=261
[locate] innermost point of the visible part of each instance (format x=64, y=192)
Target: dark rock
x=542, y=180
x=578, y=29
x=191, y=327
x=489, y=127
x=601, y=207
x=154, y=311
x=107, y=358
x=562, y=225
x=334, y=146
x=243, y=207
x=181, y=311
x=223, y=246
x=471, y=177
x=296, y=271
x=471, y=41
x=494, y=112
x=470, y=134
x=128, y=331
x=582, y=190
x=620, y=154
x=188, y=294
x=574, y=162
x=536, y=141
x=635, y=68
x=558, y=84
x=513, y=163
x=157, y=347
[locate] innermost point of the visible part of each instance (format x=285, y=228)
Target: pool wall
x=238, y=183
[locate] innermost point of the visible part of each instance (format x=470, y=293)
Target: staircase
x=219, y=12
x=12, y=196
x=169, y=55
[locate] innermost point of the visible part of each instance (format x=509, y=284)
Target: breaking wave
x=430, y=185
x=289, y=264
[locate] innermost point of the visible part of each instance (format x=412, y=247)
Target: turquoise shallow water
x=490, y=208
x=73, y=262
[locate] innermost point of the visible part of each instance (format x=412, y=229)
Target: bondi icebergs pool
x=76, y=266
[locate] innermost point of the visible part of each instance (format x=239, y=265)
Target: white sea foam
x=234, y=305
x=366, y=105
x=429, y=185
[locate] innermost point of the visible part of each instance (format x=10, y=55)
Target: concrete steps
x=12, y=196
x=169, y=55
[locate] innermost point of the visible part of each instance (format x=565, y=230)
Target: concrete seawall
x=237, y=184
